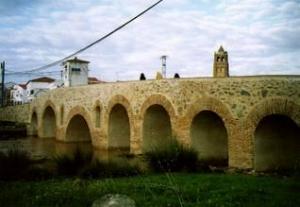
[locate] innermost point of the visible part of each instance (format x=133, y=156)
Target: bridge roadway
x=252, y=122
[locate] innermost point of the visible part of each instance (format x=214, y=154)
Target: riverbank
x=178, y=189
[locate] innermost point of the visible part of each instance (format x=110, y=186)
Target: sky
x=261, y=36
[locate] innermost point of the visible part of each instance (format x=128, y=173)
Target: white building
x=38, y=86
x=18, y=94
x=75, y=72
x=24, y=93
x=55, y=84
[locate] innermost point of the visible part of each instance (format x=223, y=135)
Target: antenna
x=163, y=65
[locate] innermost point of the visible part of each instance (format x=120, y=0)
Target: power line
x=31, y=73
x=93, y=43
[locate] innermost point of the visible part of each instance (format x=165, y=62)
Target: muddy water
x=43, y=148
x=39, y=148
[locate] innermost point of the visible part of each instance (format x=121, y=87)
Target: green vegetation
x=78, y=180
x=14, y=164
x=72, y=165
x=181, y=189
x=173, y=157
x=81, y=164
x=110, y=169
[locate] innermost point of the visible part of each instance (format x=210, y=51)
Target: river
x=47, y=148
x=39, y=148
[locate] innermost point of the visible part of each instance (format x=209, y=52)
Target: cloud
x=13, y=7
x=260, y=36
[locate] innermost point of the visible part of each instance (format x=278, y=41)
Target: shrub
x=109, y=169
x=173, y=157
x=81, y=164
x=73, y=164
x=216, y=162
x=38, y=173
x=14, y=164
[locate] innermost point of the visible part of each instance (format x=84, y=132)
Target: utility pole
x=2, y=82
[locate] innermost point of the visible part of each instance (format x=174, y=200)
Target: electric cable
x=91, y=44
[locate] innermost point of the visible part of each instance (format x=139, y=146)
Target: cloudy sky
x=261, y=36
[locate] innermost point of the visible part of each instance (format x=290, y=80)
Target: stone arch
x=210, y=126
x=209, y=137
x=158, y=117
x=213, y=105
x=97, y=114
x=157, y=129
x=49, y=120
x=78, y=127
x=120, y=126
x=33, y=123
x=120, y=99
x=159, y=100
x=62, y=114
x=267, y=117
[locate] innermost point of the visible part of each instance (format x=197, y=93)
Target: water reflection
x=39, y=148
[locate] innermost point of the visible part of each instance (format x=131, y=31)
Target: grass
x=110, y=169
x=72, y=165
x=14, y=164
x=173, y=157
x=70, y=186
x=83, y=165
x=180, y=189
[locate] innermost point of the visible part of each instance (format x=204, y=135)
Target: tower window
x=76, y=70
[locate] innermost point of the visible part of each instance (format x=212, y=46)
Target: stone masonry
x=241, y=102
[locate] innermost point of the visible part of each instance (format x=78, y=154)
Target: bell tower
x=221, y=66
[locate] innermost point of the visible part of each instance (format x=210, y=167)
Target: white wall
x=74, y=78
x=35, y=89
x=18, y=95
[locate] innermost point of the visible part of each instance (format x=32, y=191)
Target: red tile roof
x=42, y=79
x=94, y=80
x=24, y=86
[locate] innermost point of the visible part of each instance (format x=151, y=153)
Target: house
x=38, y=86
x=18, y=94
x=24, y=93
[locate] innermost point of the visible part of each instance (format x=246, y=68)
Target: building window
x=31, y=92
x=76, y=70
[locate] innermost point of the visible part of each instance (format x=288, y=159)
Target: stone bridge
x=252, y=122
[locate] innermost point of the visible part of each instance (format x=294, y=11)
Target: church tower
x=221, y=66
